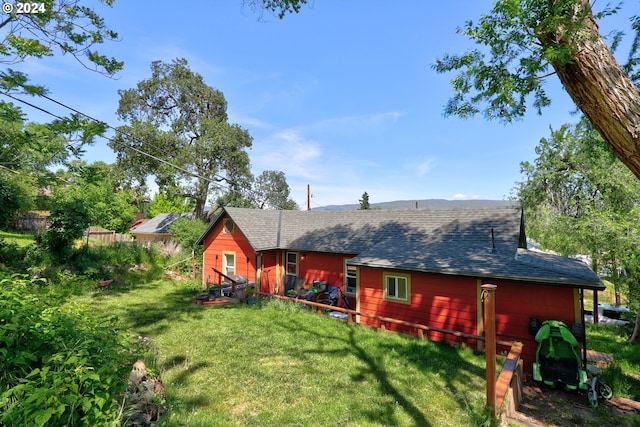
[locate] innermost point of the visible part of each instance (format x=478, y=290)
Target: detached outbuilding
x=156, y=230
x=423, y=266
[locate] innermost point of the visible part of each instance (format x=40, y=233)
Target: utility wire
x=211, y=181
x=219, y=178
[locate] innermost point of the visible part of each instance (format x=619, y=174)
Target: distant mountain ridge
x=422, y=204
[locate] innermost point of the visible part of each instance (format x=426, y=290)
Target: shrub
x=10, y=254
x=186, y=232
x=59, y=364
x=68, y=220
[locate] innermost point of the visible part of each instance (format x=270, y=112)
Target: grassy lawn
x=607, y=296
x=276, y=364
x=20, y=239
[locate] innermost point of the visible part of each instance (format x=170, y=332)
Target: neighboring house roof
x=480, y=242
x=137, y=223
x=160, y=224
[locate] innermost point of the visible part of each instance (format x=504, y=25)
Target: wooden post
x=488, y=298
x=193, y=265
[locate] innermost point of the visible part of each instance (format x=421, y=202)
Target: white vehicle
x=608, y=314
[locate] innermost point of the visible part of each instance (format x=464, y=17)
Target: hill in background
x=422, y=204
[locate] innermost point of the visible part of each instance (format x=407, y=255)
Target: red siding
x=451, y=302
x=269, y=270
x=321, y=266
x=216, y=243
x=325, y=268
x=446, y=302
x=517, y=302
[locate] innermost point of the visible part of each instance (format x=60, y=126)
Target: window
x=229, y=263
x=227, y=226
x=350, y=278
x=292, y=263
x=397, y=287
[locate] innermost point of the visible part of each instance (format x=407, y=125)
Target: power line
x=219, y=178
x=189, y=173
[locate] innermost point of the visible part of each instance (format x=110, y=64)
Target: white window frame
x=350, y=272
x=225, y=263
x=398, y=284
x=291, y=263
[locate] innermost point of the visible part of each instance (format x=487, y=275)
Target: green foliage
x=97, y=186
x=72, y=28
x=30, y=150
x=186, y=231
x=9, y=203
x=69, y=218
x=175, y=115
x=269, y=190
x=519, y=43
x=59, y=364
x=163, y=203
x=364, y=202
x=580, y=199
x=11, y=255
x=279, y=7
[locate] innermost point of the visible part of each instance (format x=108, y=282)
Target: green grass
x=608, y=296
x=275, y=364
x=624, y=374
x=20, y=239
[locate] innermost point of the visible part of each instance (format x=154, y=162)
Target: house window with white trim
x=350, y=278
x=292, y=263
x=397, y=287
x=229, y=263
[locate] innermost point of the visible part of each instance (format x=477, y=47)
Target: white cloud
x=367, y=122
x=288, y=151
x=425, y=167
x=460, y=196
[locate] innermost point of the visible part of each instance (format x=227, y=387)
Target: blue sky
x=341, y=96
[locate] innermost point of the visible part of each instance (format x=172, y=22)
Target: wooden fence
x=32, y=221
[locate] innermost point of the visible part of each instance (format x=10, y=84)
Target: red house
x=423, y=266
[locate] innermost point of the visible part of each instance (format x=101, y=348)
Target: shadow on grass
x=152, y=308
x=440, y=359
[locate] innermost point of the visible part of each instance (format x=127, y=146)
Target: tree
x=65, y=25
x=528, y=40
x=163, y=202
x=279, y=7
x=364, y=202
x=95, y=185
x=580, y=199
x=31, y=149
x=269, y=190
x=178, y=131
x=14, y=197
x=187, y=231
x=68, y=220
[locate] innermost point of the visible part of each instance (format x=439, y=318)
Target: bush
x=10, y=254
x=59, y=364
x=186, y=232
x=68, y=220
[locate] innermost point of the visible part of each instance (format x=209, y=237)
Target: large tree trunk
x=600, y=88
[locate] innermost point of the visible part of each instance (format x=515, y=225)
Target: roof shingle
x=478, y=242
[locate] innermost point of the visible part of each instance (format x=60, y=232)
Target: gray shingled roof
x=479, y=242
x=160, y=223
